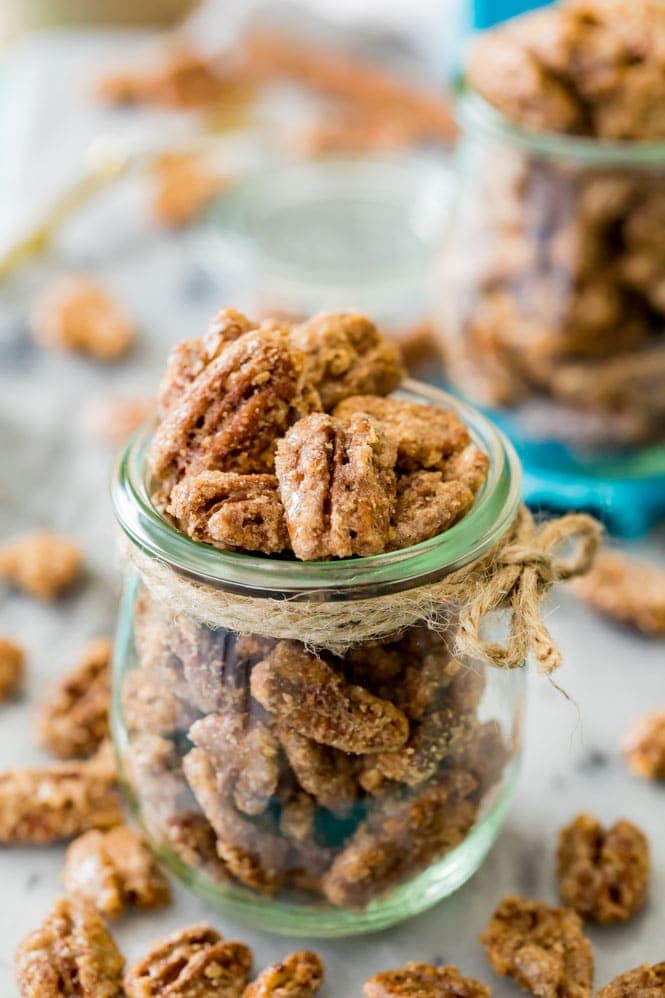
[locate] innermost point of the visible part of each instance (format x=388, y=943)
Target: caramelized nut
x=12, y=664
x=76, y=313
x=74, y=719
x=42, y=563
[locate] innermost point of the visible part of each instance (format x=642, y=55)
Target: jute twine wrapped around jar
x=514, y=575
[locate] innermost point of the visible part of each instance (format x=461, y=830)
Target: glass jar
x=272, y=775
x=550, y=302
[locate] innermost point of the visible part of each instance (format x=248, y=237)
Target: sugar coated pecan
x=431, y=739
x=153, y=701
x=56, y=802
x=426, y=505
x=324, y=772
x=231, y=415
x=256, y=857
x=627, y=590
x=73, y=720
x=231, y=511
x=112, y=419
x=190, y=963
x=42, y=563
x=114, y=870
x=298, y=975
x=244, y=753
x=337, y=485
x=603, y=873
x=644, y=746
x=647, y=981
x=193, y=839
x=184, y=186
x=542, y=947
x=345, y=354
x=422, y=980
x=400, y=838
x=12, y=664
x=76, y=313
x=426, y=437
x=305, y=694
x=155, y=774
x=72, y=953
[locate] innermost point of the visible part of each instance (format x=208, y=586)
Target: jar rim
x=273, y=577
x=475, y=114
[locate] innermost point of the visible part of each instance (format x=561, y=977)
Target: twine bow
x=523, y=570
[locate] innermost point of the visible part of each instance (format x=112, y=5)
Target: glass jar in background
x=550, y=305
x=273, y=778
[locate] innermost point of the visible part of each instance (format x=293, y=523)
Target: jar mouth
x=476, y=115
x=274, y=576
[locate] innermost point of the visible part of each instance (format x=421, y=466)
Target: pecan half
x=644, y=746
x=627, y=590
x=72, y=953
x=337, y=485
x=542, y=947
x=298, y=975
x=431, y=739
x=193, y=839
x=190, y=963
x=324, y=772
x=422, y=980
x=647, y=981
x=12, y=666
x=114, y=870
x=74, y=719
x=603, y=874
x=231, y=511
x=42, y=563
x=425, y=506
x=425, y=437
x=77, y=313
x=305, y=694
x=345, y=354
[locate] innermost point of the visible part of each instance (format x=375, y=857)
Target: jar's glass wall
x=312, y=794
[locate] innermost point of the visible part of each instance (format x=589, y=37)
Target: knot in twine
x=514, y=575
x=524, y=568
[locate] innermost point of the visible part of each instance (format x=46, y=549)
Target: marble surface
x=52, y=473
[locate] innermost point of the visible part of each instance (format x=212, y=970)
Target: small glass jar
x=550, y=301
x=273, y=776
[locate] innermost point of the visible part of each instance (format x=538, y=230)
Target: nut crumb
x=305, y=693
x=114, y=870
x=190, y=963
x=74, y=719
x=12, y=666
x=647, y=981
x=627, y=590
x=644, y=746
x=76, y=313
x=603, y=873
x=72, y=953
x=42, y=564
x=422, y=980
x=298, y=975
x=542, y=947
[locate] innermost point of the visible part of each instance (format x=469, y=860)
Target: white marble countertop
x=52, y=473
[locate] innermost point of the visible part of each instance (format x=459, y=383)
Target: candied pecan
x=337, y=485
x=307, y=860
x=401, y=837
x=304, y=693
x=152, y=701
x=298, y=975
x=184, y=186
x=647, y=981
x=373, y=664
x=431, y=739
x=542, y=947
x=155, y=774
x=603, y=873
x=422, y=980
x=231, y=415
x=56, y=802
x=627, y=590
x=345, y=354
x=190, y=963
x=113, y=870
x=244, y=753
x=469, y=467
x=42, y=563
x=74, y=719
x=113, y=419
x=426, y=437
x=191, y=836
x=426, y=506
x=644, y=746
x=231, y=511
x=484, y=755
x=71, y=953
x=421, y=351
x=11, y=667
x=76, y=313
x=324, y=772
x=256, y=857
